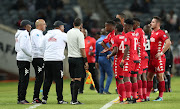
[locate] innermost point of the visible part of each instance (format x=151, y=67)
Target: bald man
x=37, y=55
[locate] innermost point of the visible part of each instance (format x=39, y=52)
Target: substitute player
x=130, y=61
x=157, y=57
x=143, y=60
x=118, y=50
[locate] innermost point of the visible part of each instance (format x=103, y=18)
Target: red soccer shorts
x=143, y=65
x=118, y=71
x=157, y=65
x=130, y=68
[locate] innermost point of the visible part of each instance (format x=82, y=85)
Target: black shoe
x=76, y=102
x=36, y=100
x=62, y=102
x=133, y=100
x=44, y=101
x=107, y=93
x=23, y=102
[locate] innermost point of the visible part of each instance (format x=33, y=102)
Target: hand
x=108, y=57
x=86, y=66
x=97, y=65
x=105, y=50
x=158, y=55
x=122, y=63
x=91, y=53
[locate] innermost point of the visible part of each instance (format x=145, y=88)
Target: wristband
x=85, y=60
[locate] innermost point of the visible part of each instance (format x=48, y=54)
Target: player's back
x=118, y=41
x=132, y=41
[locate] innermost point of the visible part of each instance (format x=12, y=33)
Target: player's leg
x=150, y=76
x=121, y=88
x=47, y=82
x=94, y=75
x=24, y=69
x=38, y=64
x=140, y=94
x=144, y=84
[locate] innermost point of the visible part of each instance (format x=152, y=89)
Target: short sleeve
x=81, y=40
x=114, y=42
x=163, y=36
x=106, y=39
x=126, y=40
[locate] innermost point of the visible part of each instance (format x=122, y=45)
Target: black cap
x=58, y=23
x=25, y=22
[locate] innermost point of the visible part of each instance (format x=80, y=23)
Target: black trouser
x=24, y=69
x=53, y=71
x=94, y=73
x=38, y=64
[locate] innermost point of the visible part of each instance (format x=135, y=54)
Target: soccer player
x=37, y=55
x=130, y=61
x=157, y=57
x=142, y=83
x=53, y=45
x=24, y=57
x=118, y=50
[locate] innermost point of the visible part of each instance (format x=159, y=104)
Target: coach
x=23, y=49
x=37, y=55
x=53, y=45
x=77, y=58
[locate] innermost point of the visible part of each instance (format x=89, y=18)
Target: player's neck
x=156, y=29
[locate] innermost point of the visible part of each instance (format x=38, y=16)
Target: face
x=43, y=26
x=28, y=28
x=108, y=27
x=125, y=27
x=62, y=28
x=84, y=32
x=154, y=23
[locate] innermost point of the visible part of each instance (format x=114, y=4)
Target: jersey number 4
x=121, y=46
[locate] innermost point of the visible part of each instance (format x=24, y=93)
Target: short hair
x=77, y=22
x=136, y=19
x=129, y=21
x=157, y=18
x=111, y=22
x=116, y=20
x=119, y=27
x=122, y=15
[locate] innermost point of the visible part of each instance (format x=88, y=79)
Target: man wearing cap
x=23, y=49
x=53, y=45
x=37, y=55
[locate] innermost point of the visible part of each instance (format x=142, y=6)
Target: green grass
x=92, y=100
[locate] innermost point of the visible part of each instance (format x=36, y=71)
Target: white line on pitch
x=106, y=106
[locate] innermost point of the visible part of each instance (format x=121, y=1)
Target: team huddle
x=131, y=61
x=134, y=68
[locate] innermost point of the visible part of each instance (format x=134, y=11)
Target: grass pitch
x=91, y=99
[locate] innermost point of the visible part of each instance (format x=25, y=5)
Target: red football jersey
x=118, y=41
x=132, y=41
x=90, y=46
x=142, y=42
x=109, y=37
x=157, y=40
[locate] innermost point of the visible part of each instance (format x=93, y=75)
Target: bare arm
x=104, y=45
x=114, y=52
x=83, y=53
